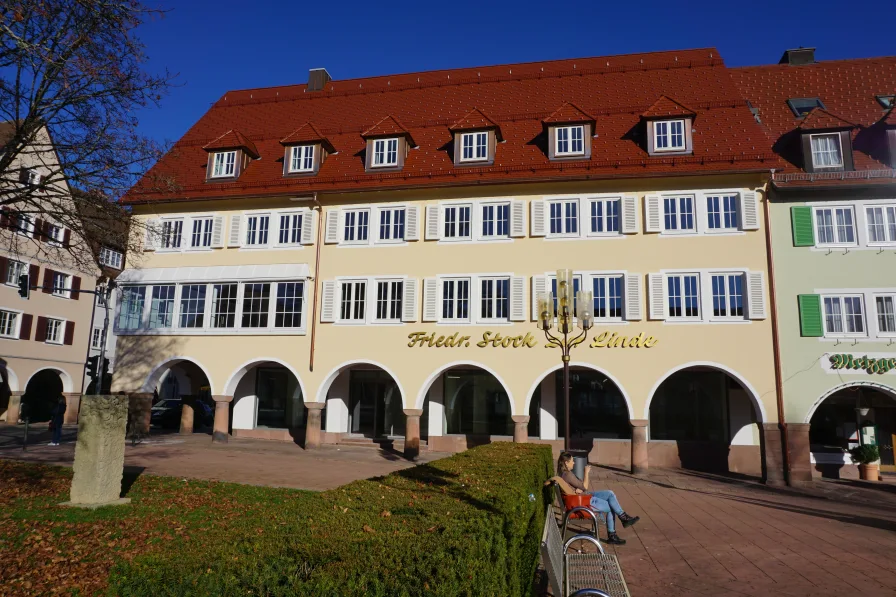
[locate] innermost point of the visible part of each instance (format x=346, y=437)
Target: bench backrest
x=552, y=553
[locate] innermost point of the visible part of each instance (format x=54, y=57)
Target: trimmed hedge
x=463, y=525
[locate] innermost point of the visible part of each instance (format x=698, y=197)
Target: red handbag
x=575, y=500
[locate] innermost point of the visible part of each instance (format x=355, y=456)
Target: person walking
x=56, y=420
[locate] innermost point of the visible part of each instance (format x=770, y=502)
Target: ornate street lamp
x=563, y=311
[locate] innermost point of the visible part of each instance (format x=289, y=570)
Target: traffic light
x=91, y=365
x=24, y=286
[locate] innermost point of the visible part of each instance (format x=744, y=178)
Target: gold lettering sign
x=614, y=340
x=497, y=340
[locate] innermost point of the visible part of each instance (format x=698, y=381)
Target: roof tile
x=233, y=140
x=307, y=133
x=568, y=113
x=666, y=106
x=819, y=119
x=476, y=119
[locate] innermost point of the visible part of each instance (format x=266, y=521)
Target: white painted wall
x=548, y=411
x=245, y=402
x=337, y=404
x=744, y=432
x=436, y=407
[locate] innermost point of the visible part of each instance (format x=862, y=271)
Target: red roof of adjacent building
x=232, y=140
x=820, y=119
x=568, y=113
x=665, y=106
x=615, y=90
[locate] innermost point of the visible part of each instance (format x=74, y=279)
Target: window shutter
x=66, y=238
x=536, y=217
x=633, y=297
x=539, y=286
x=39, y=229
x=33, y=275
x=430, y=299
x=69, y=338
x=629, y=215
x=810, y=315
x=76, y=287
x=308, y=223
x=332, y=236
x=236, y=221
x=40, y=334
x=517, y=298
x=412, y=223
x=25, y=327
x=756, y=295
x=803, y=230
x=4, y=217
x=432, y=222
x=652, y=219
x=517, y=218
x=328, y=302
x=48, y=281
x=218, y=232
x=4, y=264
x=749, y=211
x=657, y=284
x=151, y=240
x=409, y=300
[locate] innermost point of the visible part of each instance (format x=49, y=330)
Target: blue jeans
x=606, y=503
x=57, y=430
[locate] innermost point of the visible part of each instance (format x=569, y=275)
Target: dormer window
x=669, y=135
x=228, y=156
x=826, y=151
x=474, y=146
x=570, y=140
x=224, y=164
x=385, y=153
x=887, y=101
x=475, y=139
x=800, y=106
x=301, y=158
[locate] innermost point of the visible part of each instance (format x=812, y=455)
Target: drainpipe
x=320, y=228
x=773, y=301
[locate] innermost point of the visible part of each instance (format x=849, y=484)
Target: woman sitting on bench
x=601, y=501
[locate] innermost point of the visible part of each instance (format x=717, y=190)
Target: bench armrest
x=589, y=538
x=588, y=511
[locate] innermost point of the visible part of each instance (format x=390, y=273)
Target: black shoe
x=628, y=521
x=614, y=539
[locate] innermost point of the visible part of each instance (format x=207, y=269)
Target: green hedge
x=463, y=525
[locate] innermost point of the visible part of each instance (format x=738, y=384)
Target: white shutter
x=332, y=232
x=412, y=223
x=328, y=302
x=517, y=218
x=409, y=300
x=517, y=298
x=633, y=297
x=652, y=219
x=308, y=223
x=657, y=284
x=217, y=232
x=430, y=299
x=629, y=215
x=539, y=286
x=153, y=229
x=536, y=217
x=235, y=227
x=749, y=211
x=755, y=295
x=432, y=222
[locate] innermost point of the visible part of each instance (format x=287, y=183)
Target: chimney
x=798, y=56
x=318, y=79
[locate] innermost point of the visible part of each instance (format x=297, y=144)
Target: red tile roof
x=615, y=90
x=568, y=113
x=232, y=140
x=889, y=118
x=476, y=119
x=386, y=127
x=819, y=119
x=666, y=106
x=307, y=133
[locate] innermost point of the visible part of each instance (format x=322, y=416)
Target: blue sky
x=239, y=44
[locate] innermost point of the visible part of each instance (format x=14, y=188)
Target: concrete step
x=382, y=443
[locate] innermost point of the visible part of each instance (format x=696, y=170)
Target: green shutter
x=810, y=315
x=803, y=231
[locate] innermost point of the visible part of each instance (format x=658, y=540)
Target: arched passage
x=9, y=383
x=268, y=400
x=364, y=400
x=42, y=391
x=182, y=396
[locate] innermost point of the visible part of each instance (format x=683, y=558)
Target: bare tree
x=72, y=77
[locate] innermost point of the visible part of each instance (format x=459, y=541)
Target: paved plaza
x=699, y=534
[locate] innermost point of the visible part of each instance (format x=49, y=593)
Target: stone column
x=800, y=453
x=312, y=424
x=222, y=418
x=139, y=411
x=412, y=432
x=186, y=416
x=640, y=463
x=14, y=408
x=772, y=455
x=72, y=406
x=520, y=429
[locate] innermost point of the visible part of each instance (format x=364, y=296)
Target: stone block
x=99, y=452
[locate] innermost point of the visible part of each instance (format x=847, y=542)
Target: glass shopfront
x=280, y=404
x=597, y=407
x=375, y=408
x=476, y=404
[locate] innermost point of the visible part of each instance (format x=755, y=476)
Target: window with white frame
x=256, y=304
x=9, y=322
x=569, y=140
x=881, y=224
x=111, y=258
x=201, y=234
x=55, y=233
x=605, y=216
x=257, y=227
x=494, y=299
x=356, y=226
x=224, y=305
x=496, y=220
x=353, y=303
x=668, y=135
x=62, y=285
x=96, y=338
x=607, y=291
x=474, y=146
x=130, y=314
x=728, y=295
x=388, y=300
x=385, y=153
x=844, y=315
x=161, y=307
x=456, y=299
x=392, y=223
x=301, y=158
x=15, y=269
x=289, y=304
x=224, y=164
x=55, y=331
x=721, y=212
x=457, y=221
x=290, y=229
x=32, y=177
x=885, y=305
x=564, y=217
x=25, y=224
x=678, y=214
x=576, y=286
x=683, y=296
x=826, y=150
x=172, y=232
x=192, y=305
x=834, y=226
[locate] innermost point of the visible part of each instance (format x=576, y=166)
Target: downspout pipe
x=320, y=227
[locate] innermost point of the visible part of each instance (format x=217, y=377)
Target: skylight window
x=887, y=101
x=803, y=105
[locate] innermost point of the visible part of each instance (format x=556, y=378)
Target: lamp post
x=566, y=307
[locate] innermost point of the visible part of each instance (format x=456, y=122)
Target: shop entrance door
x=374, y=405
x=271, y=389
